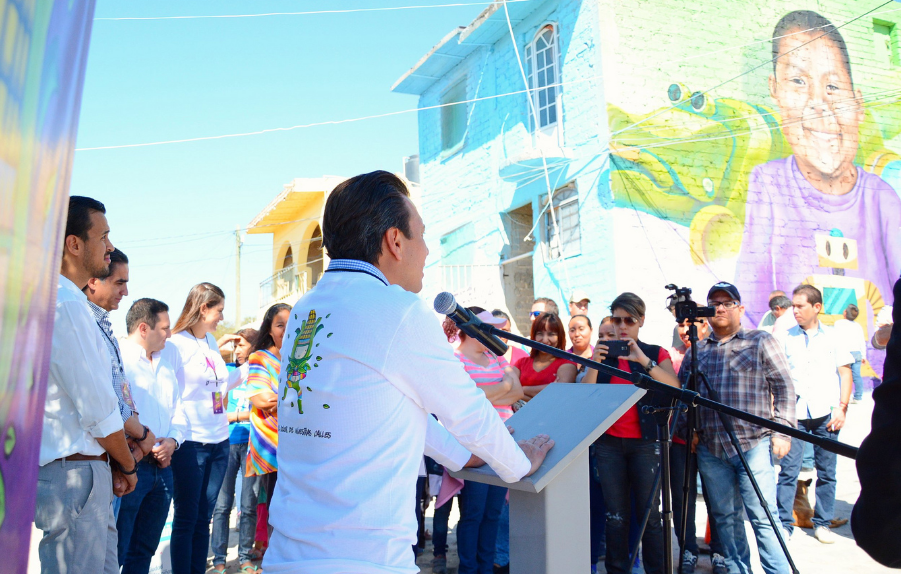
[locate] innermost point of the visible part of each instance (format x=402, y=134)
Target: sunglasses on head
x=627, y=320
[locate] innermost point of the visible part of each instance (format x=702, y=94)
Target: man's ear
x=73, y=245
x=391, y=243
x=92, y=284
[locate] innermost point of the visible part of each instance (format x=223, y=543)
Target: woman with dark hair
x=200, y=463
x=262, y=388
x=627, y=454
x=481, y=504
x=540, y=369
x=238, y=414
x=580, y=337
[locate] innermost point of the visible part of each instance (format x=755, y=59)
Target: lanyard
x=370, y=273
x=115, y=347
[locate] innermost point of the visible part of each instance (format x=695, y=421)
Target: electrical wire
x=306, y=13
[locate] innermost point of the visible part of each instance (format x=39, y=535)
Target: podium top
x=572, y=414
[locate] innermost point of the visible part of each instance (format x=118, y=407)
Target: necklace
x=210, y=365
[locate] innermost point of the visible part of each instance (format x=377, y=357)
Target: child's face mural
x=820, y=109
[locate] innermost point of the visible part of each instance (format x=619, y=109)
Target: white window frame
x=460, y=110
x=540, y=109
x=566, y=246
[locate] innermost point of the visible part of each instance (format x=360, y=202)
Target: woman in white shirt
x=199, y=465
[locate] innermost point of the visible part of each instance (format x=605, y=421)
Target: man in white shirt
x=851, y=335
x=82, y=426
x=781, y=308
x=821, y=372
x=364, y=362
x=151, y=365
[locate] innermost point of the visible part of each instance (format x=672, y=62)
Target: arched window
x=288, y=261
x=543, y=60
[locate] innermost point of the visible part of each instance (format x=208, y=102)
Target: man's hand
x=695, y=439
x=123, y=483
x=163, y=450
x=474, y=462
x=147, y=444
x=883, y=334
x=837, y=421
x=535, y=450
x=781, y=446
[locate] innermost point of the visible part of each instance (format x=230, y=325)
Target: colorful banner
x=776, y=174
x=43, y=51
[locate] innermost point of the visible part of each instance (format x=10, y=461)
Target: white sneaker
x=824, y=535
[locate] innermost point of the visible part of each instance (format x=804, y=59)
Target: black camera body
x=686, y=308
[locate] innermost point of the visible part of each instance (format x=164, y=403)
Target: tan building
x=294, y=218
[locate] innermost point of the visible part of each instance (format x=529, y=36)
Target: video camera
x=686, y=308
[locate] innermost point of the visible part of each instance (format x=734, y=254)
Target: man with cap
x=578, y=303
x=749, y=371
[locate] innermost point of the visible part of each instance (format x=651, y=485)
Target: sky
x=173, y=209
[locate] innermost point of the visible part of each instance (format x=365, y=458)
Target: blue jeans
x=439, y=528
x=480, y=508
x=142, y=517
x=629, y=467
x=730, y=488
x=502, y=548
x=198, y=469
x=825, y=463
x=855, y=374
x=247, y=522
x=597, y=511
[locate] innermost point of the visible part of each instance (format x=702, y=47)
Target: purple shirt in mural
x=784, y=213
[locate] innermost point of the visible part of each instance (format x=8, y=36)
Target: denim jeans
x=439, y=527
x=502, y=548
x=677, y=476
x=855, y=374
x=480, y=508
x=142, y=517
x=597, y=511
x=730, y=488
x=237, y=457
x=629, y=465
x=198, y=469
x=825, y=463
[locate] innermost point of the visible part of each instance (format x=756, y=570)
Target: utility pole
x=237, y=276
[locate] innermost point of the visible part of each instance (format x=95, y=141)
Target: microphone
x=468, y=323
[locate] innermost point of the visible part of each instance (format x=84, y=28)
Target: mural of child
x=817, y=191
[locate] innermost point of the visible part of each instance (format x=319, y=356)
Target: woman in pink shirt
x=481, y=504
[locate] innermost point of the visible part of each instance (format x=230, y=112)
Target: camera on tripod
x=686, y=308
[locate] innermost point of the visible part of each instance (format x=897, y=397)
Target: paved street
x=809, y=555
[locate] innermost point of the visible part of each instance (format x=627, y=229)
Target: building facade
x=674, y=149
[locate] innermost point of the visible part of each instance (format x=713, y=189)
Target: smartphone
x=616, y=348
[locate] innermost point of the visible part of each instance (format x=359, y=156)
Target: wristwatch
x=651, y=364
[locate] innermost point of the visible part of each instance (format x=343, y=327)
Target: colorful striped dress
x=490, y=375
x=263, y=376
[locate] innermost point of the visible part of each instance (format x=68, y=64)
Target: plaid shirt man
x=750, y=372
x=120, y=383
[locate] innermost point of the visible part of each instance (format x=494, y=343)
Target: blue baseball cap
x=729, y=288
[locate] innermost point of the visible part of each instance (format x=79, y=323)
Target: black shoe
x=502, y=569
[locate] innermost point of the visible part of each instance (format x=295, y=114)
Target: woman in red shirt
x=627, y=455
x=539, y=369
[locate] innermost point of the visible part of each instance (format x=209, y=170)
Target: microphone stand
x=692, y=399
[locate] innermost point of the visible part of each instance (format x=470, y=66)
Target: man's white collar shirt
x=814, y=357
x=155, y=388
x=80, y=405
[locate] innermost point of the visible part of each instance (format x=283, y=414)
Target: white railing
x=287, y=283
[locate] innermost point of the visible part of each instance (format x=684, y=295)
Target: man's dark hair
x=630, y=303
x=852, y=311
x=550, y=306
x=780, y=302
x=115, y=258
x=819, y=26
x=144, y=310
x=78, y=220
x=812, y=293
x=359, y=211
x=500, y=314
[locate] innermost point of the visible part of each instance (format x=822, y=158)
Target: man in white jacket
x=364, y=362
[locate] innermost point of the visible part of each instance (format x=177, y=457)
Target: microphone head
x=445, y=303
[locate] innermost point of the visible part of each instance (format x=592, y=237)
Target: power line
x=307, y=13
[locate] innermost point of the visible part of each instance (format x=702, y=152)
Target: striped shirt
x=750, y=372
x=262, y=377
x=120, y=383
x=490, y=375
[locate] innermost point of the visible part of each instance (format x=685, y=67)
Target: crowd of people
x=158, y=417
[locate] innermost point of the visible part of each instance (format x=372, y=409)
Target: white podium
x=549, y=511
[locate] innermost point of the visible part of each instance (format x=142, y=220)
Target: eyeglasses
x=627, y=320
x=536, y=313
x=724, y=304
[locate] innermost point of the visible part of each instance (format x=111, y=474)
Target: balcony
x=286, y=286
